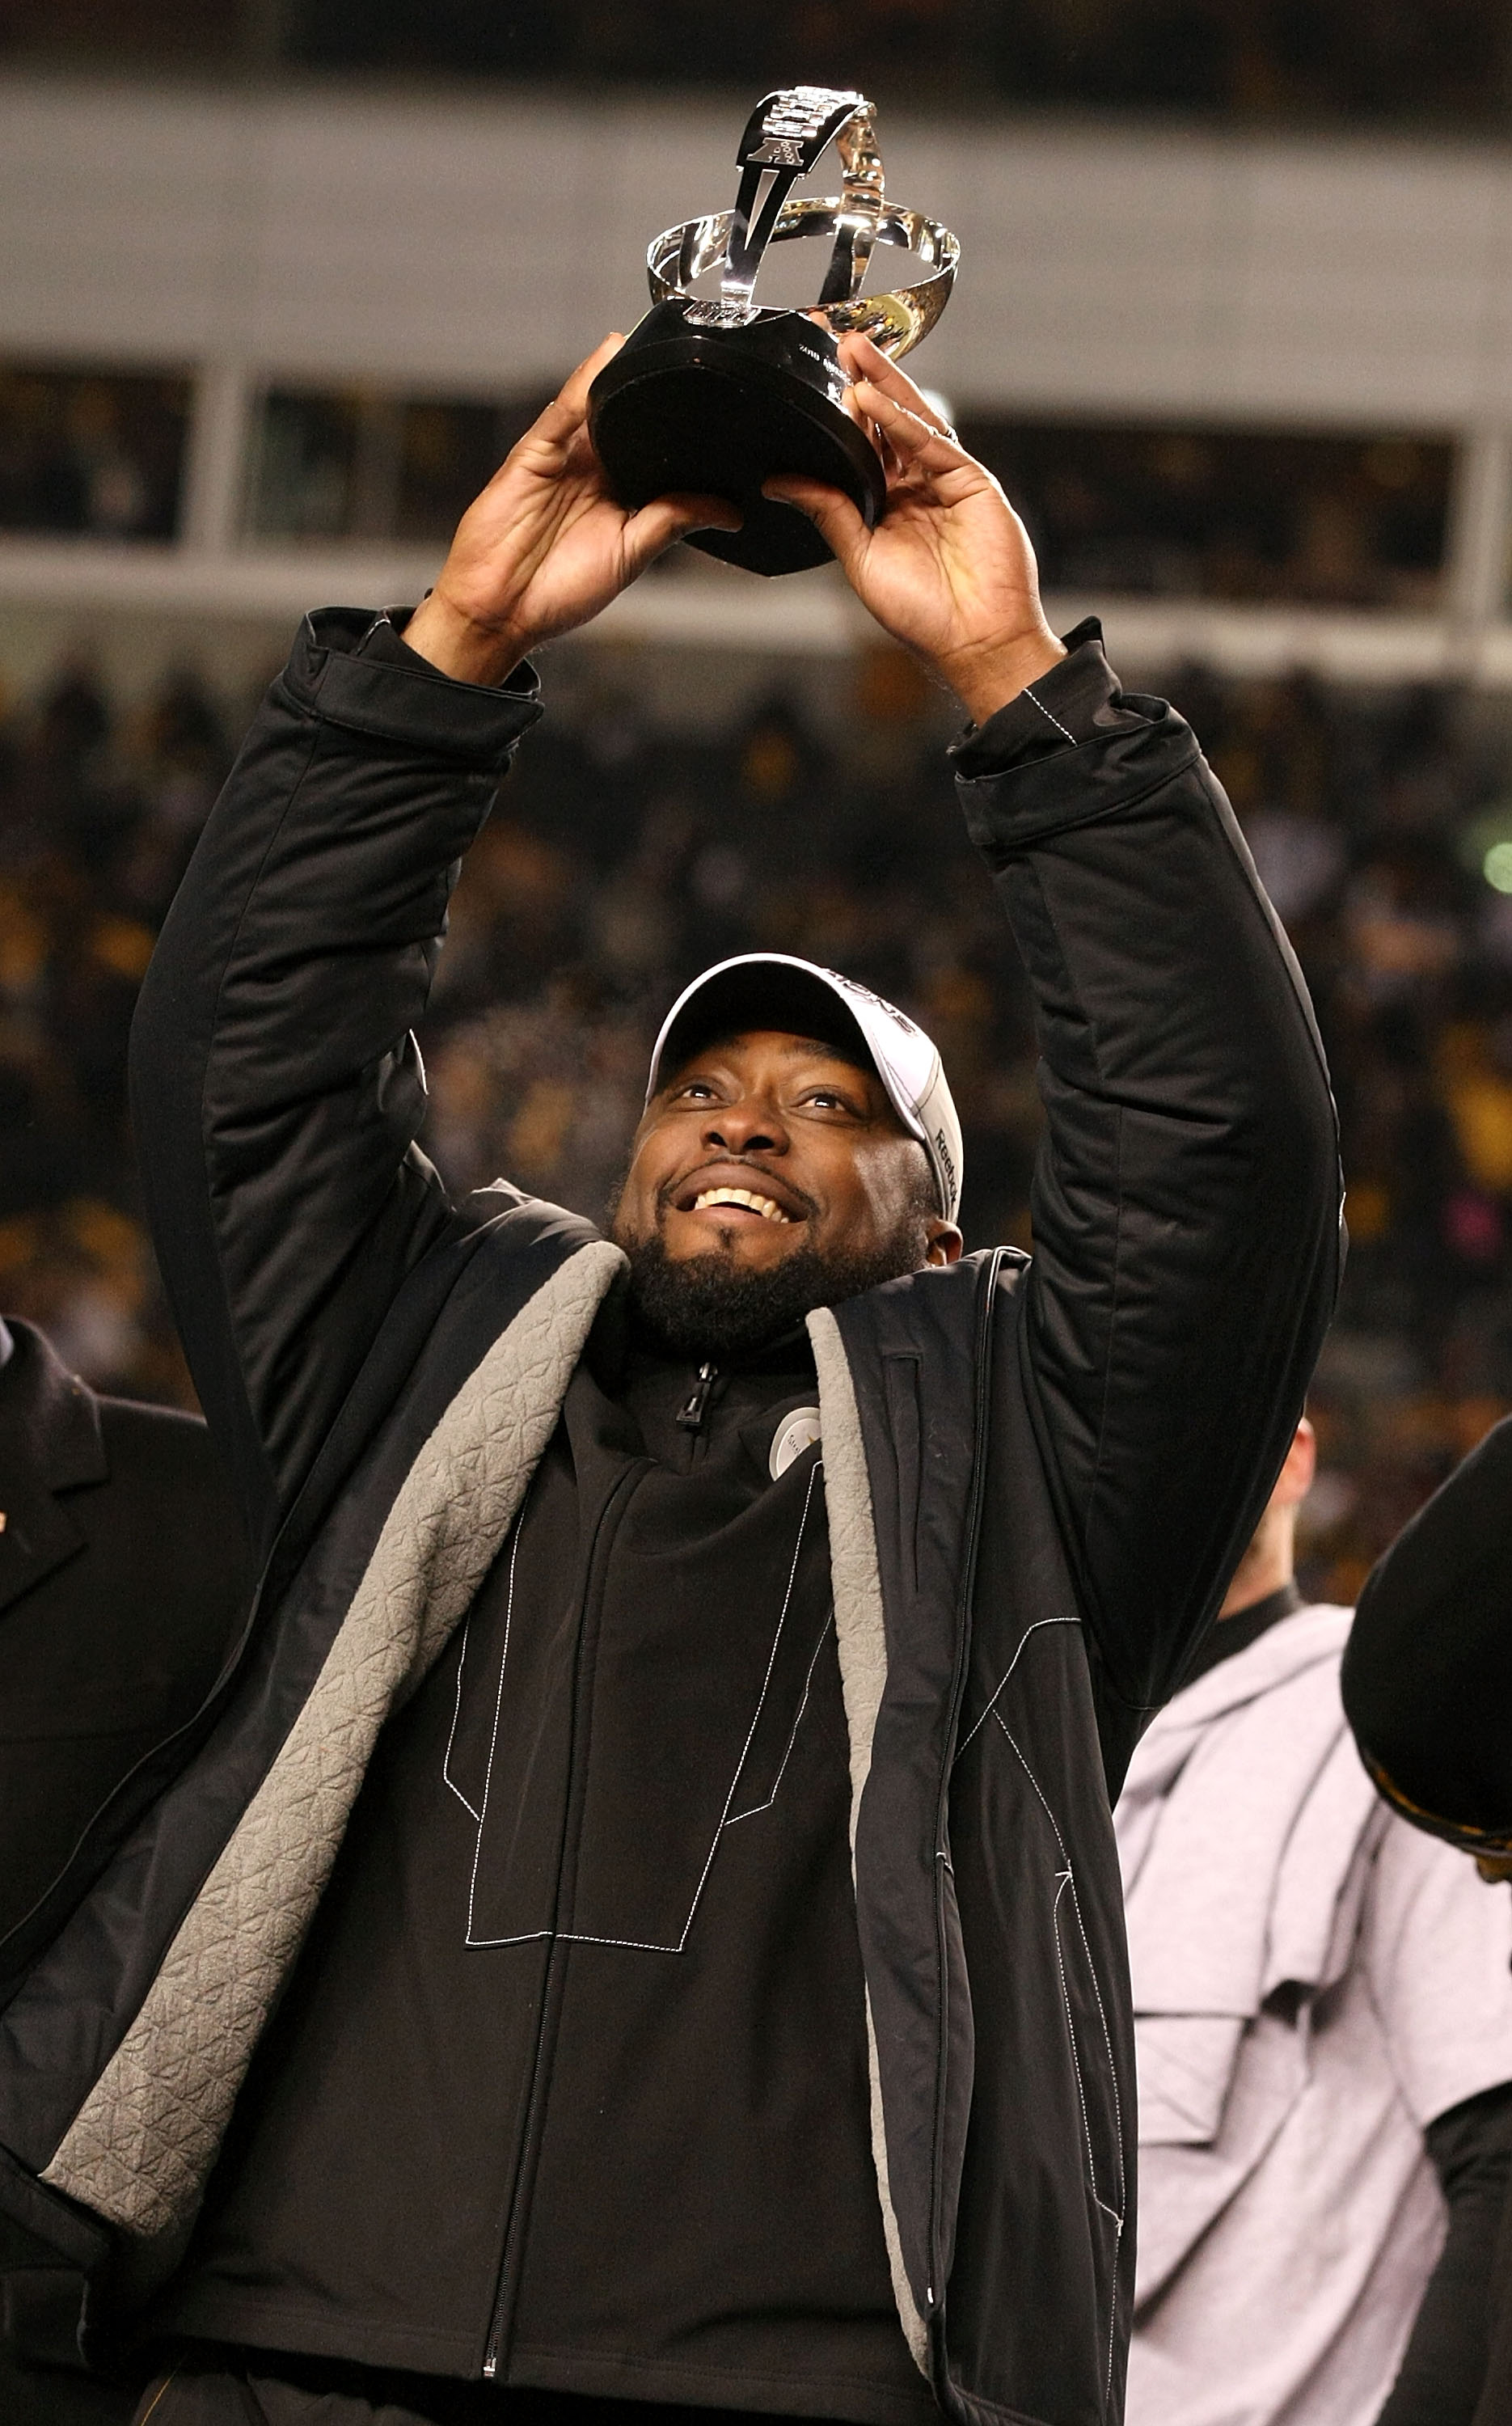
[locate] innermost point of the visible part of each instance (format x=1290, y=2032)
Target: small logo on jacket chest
x=799, y=1433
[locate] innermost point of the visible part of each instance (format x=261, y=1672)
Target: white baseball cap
x=773, y=989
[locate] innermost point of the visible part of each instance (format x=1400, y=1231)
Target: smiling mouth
x=742, y=1200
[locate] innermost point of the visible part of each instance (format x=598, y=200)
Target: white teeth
x=762, y=1205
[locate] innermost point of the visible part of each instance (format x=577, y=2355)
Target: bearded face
x=769, y=1175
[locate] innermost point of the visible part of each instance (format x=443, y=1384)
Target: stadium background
x=284, y=279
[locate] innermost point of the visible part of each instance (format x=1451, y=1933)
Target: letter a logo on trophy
x=713, y=398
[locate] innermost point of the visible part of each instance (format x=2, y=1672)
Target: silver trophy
x=715, y=397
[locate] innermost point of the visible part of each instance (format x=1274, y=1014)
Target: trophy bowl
x=712, y=398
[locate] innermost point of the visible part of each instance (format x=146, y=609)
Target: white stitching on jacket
x=636, y=1944
x=1070, y=1880
x=1030, y=693
x=990, y=1710
x=1064, y=1879
x=493, y=1740
x=456, y=1712
x=757, y=1808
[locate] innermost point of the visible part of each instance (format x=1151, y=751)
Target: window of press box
x=92, y=453
x=1260, y=516
x=363, y=463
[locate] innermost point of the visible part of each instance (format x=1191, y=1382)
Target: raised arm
x=1185, y=1203
x=277, y=1089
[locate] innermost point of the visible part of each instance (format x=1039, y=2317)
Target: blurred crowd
x=623, y=857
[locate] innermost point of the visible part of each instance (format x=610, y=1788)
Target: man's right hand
x=545, y=546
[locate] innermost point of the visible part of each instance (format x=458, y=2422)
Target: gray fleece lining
x=860, y=1640
x=141, y=2146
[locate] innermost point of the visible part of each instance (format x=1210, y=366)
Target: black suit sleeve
x=1443, y=2373
x=1186, y=1200
x=276, y=1085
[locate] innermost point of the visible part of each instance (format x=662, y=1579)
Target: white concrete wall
x=482, y=243
x=479, y=241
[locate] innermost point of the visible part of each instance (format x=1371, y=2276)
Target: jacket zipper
x=695, y=1406
x=934, y=2291
x=603, y=1532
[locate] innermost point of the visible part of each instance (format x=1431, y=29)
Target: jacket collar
x=50, y=1441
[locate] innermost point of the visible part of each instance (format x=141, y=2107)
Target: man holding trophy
x=639, y=1927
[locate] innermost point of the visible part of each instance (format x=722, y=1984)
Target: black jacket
x=122, y=1573
x=642, y=1813
x=1036, y=1480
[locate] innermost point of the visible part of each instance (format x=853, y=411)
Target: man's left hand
x=949, y=570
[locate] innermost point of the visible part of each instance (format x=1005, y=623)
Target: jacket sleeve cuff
x=1063, y=708
x=352, y=668
x=1070, y=748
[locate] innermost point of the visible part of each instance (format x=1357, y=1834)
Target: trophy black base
x=714, y=411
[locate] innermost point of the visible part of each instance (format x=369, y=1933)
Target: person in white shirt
x=1323, y=2017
